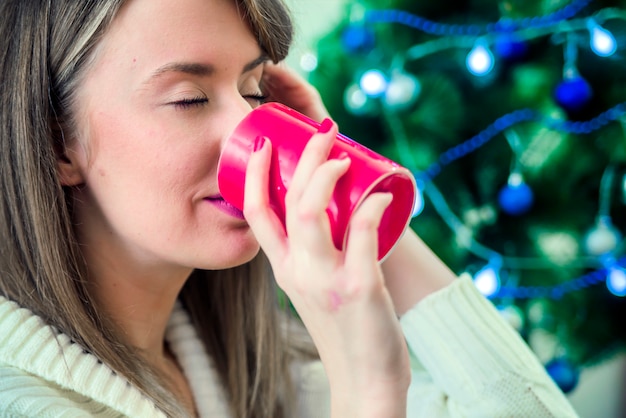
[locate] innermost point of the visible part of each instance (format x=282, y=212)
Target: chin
x=233, y=258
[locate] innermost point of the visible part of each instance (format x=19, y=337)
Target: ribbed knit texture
x=197, y=366
x=44, y=374
x=467, y=362
x=472, y=363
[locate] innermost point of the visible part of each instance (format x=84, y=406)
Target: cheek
x=116, y=142
x=148, y=152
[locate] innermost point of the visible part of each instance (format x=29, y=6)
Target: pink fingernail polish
x=258, y=143
x=326, y=126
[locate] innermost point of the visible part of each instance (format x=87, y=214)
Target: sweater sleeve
x=468, y=362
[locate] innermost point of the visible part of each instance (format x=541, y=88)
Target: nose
x=232, y=162
x=236, y=110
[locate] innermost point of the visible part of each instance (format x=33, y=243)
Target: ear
x=68, y=168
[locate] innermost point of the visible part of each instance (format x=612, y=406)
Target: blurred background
x=511, y=115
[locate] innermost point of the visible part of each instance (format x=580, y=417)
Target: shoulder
x=25, y=395
x=43, y=373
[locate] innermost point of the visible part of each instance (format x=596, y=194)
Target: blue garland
x=553, y=292
x=505, y=122
x=504, y=25
x=501, y=124
x=518, y=116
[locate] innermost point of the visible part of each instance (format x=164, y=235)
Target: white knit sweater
x=468, y=362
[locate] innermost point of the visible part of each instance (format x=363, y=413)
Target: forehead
x=149, y=33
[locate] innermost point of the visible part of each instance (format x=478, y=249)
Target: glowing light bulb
x=373, y=83
x=616, y=281
x=601, y=41
x=487, y=280
x=480, y=60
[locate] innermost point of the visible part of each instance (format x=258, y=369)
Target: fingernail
x=343, y=156
x=258, y=143
x=326, y=126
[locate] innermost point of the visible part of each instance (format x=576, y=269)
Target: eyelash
x=190, y=102
x=259, y=97
x=200, y=101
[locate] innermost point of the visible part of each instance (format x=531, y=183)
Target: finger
x=362, y=244
x=286, y=86
x=266, y=226
x=278, y=78
x=280, y=74
x=308, y=222
x=315, y=153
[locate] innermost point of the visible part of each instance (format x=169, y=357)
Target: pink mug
x=289, y=131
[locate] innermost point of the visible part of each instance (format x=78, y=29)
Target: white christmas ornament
x=402, y=91
x=602, y=239
x=357, y=102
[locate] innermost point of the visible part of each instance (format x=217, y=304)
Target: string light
x=480, y=60
x=487, y=279
x=434, y=28
x=593, y=278
x=373, y=83
x=507, y=35
x=517, y=117
x=616, y=281
x=554, y=292
x=601, y=41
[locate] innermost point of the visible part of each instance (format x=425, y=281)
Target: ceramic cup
x=289, y=131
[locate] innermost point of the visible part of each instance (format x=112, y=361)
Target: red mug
x=289, y=131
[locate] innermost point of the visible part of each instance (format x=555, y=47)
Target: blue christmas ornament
x=357, y=38
x=572, y=94
x=564, y=374
x=510, y=48
x=516, y=198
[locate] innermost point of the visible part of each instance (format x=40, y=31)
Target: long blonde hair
x=46, y=48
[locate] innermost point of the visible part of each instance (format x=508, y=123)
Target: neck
x=140, y=306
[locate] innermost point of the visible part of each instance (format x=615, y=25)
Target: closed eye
x=190, y=102
x=260, y=98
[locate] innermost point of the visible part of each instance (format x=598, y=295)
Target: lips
x=224, y=206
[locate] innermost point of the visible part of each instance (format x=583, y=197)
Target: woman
x=129, y=286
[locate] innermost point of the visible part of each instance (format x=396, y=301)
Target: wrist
x=412, y=272
x=373, y=403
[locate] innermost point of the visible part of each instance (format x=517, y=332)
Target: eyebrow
x=198, y=69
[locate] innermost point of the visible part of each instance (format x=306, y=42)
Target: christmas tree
x=511, y=115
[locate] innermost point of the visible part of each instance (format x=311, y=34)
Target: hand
x=340, y=295
x=428, y=273
x=285, y=86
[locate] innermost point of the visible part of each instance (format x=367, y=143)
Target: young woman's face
x=170, y=80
